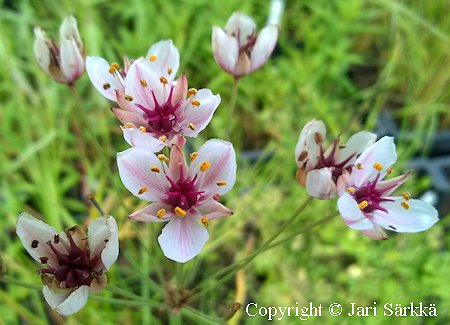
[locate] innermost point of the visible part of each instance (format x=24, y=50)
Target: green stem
x=9, y=280
x=232, y=108
x=235, y=266
x=252, y=256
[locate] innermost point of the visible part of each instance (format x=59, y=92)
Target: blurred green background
x=343, y=62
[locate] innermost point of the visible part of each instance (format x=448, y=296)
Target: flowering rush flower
x=365, y=200
x=186, y=196
x=238, y=49
x=74, y=263
x=156, y=110
x=64, y=64
x=320, y=168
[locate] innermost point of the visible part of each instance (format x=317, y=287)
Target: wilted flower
x=238, y=49
x=184, y=196
x=64, y=64
x=75, y=263
x=320, y=168
x=151, y=103
x=365, y=200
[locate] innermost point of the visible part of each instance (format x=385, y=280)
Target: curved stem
x=237, y=265
x=232, y=108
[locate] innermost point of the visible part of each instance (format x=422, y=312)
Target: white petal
x=225, y=50
x=319, y=184
x=182, y=239
x=134, y=170
x=139, y=72
x=145, y=140
x=376, y=233
x=419, y=217
x=382, y=152
x=98, y=71
x=222, y=159
x=263, y=48
x=126, y=116
x=63, y=303
x=41, y=49
x=167, y=59
x=69, y=31
x=30, y=229
x=103, y=237
x=72, y=62
x=212, y=209
x=307, y=143
x=356, y=144
x=200, y=115
x=242, y=26
x=150, y=213
x=352, y=215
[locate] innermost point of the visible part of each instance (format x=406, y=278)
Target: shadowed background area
x=349, y=63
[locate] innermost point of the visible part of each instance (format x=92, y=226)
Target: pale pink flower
x=365, y=200
x=319, y=168
x=151, y=103
x=64, y=63
x=186, y=196
x=238, y=49
x=74, y=262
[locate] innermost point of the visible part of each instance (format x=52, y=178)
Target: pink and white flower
x=75, y=263
x=365, y=200
x=238, y=49
x=64, y=64
x=151, y=103
x=318, y=168
x=185, y=196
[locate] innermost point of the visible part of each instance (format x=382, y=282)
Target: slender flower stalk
x=74, y=262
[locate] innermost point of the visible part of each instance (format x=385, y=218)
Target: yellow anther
x=113, y=68
x=129, y=98
x=169, y=71
x=143, y=189
x=318, y=138
x=406, y=195
x=128, y=126
x=363, y=204
x=351, y=190
x=204, y=166
x=205, y=221
x=163, y=80
x=115, y=65
x=143, y=83
x=142, y=129
x=195, y=103
x=106, y=86
x=221, y=183
x=405, y=205
x=359, y=166
x=161, y=213
x=191, y=126
x=163, y=138
x=389, y=170
x=155, y=169
x=193, y=155
x=192, y=91
x=179, y=211
x=163, y=157
x=378, y=166
x=152, y=58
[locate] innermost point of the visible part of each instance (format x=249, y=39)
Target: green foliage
x=340, y=61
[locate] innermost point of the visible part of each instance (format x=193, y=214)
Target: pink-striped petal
x=137, y=138
x=151, y=211
x=183, y=238
x=225, y=50
x=220, y=176
x=139, y=83
x=135, y=166
x=177, y=163
x=72, y=62
x=164, y=59
x=212, y=209
x=263, y=48
x=356, y=144
x=98, y=71
x=103, y=239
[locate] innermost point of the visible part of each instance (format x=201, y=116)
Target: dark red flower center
x=162, y=118
x=369, y=198
x=183, y=193
x=330, y=161
x=75, y=268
